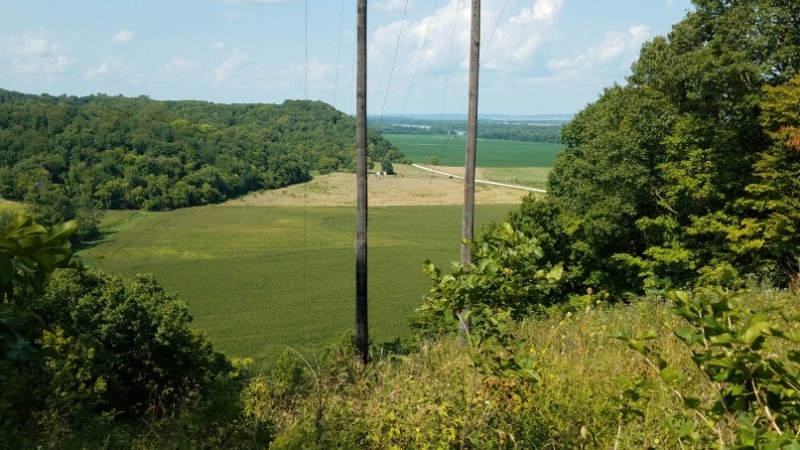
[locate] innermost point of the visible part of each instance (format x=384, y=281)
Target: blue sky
x=540, y=56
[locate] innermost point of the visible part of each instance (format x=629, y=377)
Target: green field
x=489, y=152
x=258, y=279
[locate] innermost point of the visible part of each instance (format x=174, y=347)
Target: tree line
x=71, y=157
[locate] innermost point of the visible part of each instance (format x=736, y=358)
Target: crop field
x=277, y=269
x=259, y=278
x=490, y=153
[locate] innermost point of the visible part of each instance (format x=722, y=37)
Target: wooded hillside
x=64, y=155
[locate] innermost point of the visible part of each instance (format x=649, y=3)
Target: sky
x=538, y=56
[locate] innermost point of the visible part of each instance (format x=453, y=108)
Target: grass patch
x=258, y=279
x=525, y=176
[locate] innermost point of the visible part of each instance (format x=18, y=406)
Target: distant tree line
x=531, y=131
x=69, y=157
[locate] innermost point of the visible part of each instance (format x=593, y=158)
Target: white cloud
x=223, y=71
x=616, y=49
x=217, y=46
x=108, y=66
x=546, y=10
x=517, y=39
x=33, y=53
x=122, y=36
x=511, y=48
x=434, y=32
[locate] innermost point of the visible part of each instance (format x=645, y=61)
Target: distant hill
x=141, y=153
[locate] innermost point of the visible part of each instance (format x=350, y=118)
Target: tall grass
x=423, y=400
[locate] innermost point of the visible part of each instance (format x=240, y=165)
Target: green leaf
x=60, y=233
x=555, y=274
x=724, y=338
x=688, y=336
x=691, y=402
x=754, y=331
x=638, y=346
x=687, y=429
x=721, y=306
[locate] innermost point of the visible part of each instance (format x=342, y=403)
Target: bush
x=122, y=345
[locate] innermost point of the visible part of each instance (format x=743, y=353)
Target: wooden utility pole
x=362, y=330
x=468, y=222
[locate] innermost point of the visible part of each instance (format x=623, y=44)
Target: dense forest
x=69, y=157
x=511, y=129
x=650, y=300
x=690, y=168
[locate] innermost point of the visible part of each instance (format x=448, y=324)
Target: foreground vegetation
x=116, y=366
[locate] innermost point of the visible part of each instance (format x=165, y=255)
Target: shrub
x=121, y=345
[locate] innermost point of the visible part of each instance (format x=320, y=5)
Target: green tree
x=770, y=231
x=122, y=344
x=673, y=173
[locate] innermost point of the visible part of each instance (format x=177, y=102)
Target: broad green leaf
x=724, y=338
x=555, y=274
x=688, y=336
x=754, y=331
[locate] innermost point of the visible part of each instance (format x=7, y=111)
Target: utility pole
x=468, y=221
x=362, y=334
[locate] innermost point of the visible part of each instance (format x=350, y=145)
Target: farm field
x=490, y=153
x=260, y=276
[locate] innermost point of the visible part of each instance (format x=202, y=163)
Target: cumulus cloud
x=517, y=39
x=223, y=71
x=435, y=43
x=108, y=66
x=615, y=49
x=217, y=46
x=35, y=54
x=122, y=36
x=427, y=40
